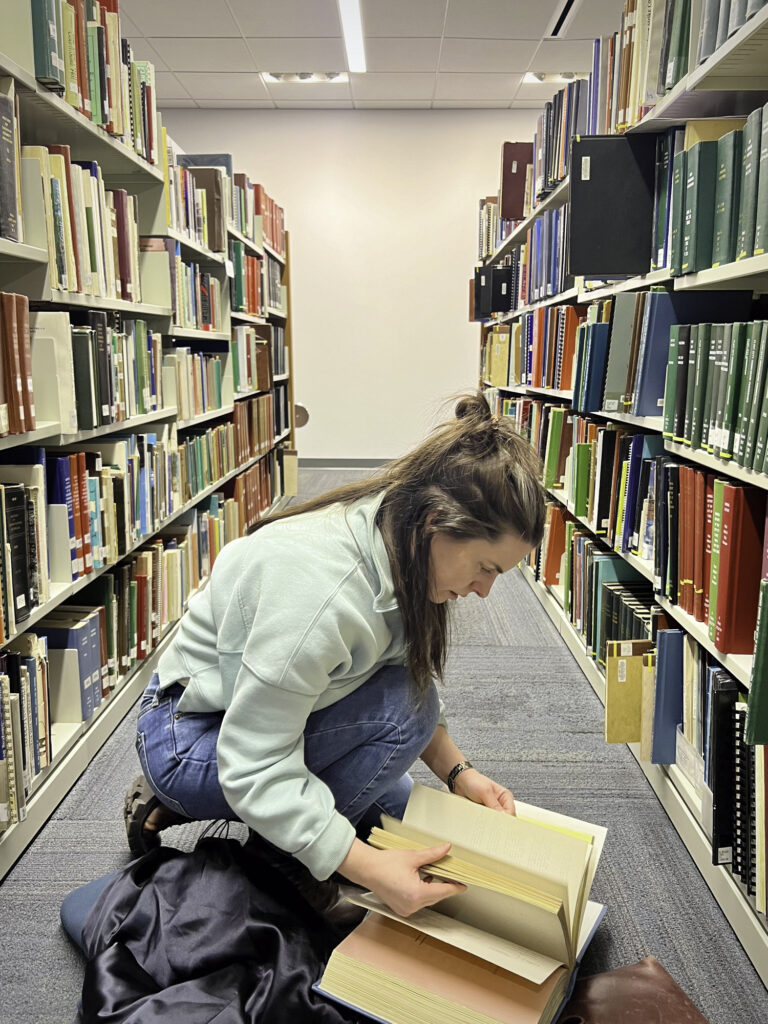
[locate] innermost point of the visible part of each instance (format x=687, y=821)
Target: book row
x=92, y=232
x=245, y=284
x=280, y=352
x=195, y=292
x=80, y=54
x=252, y=358
x=533, y=270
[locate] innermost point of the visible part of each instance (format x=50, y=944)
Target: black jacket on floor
x=208, y=937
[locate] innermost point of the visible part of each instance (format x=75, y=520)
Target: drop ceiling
x=419, y=53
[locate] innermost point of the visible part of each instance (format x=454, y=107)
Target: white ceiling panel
x=403, y=17
x=539, y=92
x=127, y=27
x=180, y=17
x=314, y=91
x=476, y=87
x=314, y=104
x=209, y=86
x=498, y=19
x=526, y=104
x=144, y=50
x=286, y=17
x=169, y=87
x=214, y=54
x=176, y=103
x=395, y=87
x=236, y=104
x=486, y=55
x=298, y=54
x=401, y=54
x=392, y=104
x=593, y=18
x=464, y=104
x=557, y=55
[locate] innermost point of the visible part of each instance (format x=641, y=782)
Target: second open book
x=507, y=948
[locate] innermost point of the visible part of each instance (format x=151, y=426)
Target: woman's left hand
x=477, y=787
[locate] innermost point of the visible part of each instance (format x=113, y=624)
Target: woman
x=300, y=685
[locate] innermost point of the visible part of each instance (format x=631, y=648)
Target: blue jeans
x=361, y=747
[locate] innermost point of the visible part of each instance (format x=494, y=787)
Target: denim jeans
x=361, y=747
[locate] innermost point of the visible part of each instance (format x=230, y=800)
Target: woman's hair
x=474, y=477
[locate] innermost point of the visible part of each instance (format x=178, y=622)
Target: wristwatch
x=455, y=772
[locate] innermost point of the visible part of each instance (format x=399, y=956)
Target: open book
x=506, y=950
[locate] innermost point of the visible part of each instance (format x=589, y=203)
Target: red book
x=14, y=388
x=77, y=512
x=699, y=514
x=553, y=554
x=741, y=559
x=85, y=511
x=25, y=358
x=709, y=503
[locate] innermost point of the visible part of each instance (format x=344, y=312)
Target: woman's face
x=462, y=567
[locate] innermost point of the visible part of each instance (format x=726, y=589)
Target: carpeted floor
x=521, y=709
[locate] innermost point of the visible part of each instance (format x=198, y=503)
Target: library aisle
x=521, y=708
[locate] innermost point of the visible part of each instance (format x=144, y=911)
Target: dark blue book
x=644, y=446
x=59, y=484
x=668, y=701
x=65, y=634
x=596, y=362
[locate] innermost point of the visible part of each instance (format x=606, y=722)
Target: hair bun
x=473, y=407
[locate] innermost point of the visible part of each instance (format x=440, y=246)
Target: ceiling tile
x=384, y=87
x=486, y=55
x=300, y=54
x=287, y=17
x=556, y=55
x=144, y=50
x=314, y=104
x=236, y=104
x=212, y=54
x=594, y=18
x=539, y=91
x=393, y=104
x=466, y=104
x=179, y=18
x=401, y=54
x=523, y=104
x=316, y=91
x=498, y=19
x=402, y=18
x=175, y=103
x=234, y=86
x=127, y=27
x=477, y=87
x=169, y=87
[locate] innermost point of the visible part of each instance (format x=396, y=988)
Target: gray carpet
x=521, y=709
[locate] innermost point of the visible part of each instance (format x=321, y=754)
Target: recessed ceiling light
x=304, y=77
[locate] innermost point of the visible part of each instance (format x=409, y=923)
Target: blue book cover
x=668, y=703
x=644, y=446
x=77, y=637
x=97, y=541
x=59, y=483
x=31, y=666
x=596, y=363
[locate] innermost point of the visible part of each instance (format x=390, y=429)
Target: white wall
x=382, y=210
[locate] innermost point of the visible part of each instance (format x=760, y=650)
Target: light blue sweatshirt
x=294, y=618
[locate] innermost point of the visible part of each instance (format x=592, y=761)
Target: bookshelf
x=733, y=81
x=242, y=452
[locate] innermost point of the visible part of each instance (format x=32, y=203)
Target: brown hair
x=474, y=477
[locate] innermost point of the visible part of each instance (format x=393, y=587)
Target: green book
x=46, y=34
x=238, y=282
x=756, y=730
x=693, y=350
x=133, y=639
x=677, y=213
x=726, y=222
x=700, y=370
x=668, y=429
x=718, y=397
x=677, y=61
x=94, y=81
x=698, y=219
x=714, y=568
x=619, y=351
x=711, y=390
x=552, y=450
x=732, y=386
x=582, y=459
x=755, y=409
x=681, y=380
x=761, y=212
x=750, y=157
x=746, y=391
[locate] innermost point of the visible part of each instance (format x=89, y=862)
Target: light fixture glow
x=352, y=27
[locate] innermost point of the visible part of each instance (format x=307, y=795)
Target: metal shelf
x=557, y=197
x=11, y=251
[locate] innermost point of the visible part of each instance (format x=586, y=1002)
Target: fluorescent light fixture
x=304, y=77
x=352, y=27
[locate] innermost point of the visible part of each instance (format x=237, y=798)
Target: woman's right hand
x=396, y=876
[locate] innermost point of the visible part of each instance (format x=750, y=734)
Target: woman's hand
x=396, y=876
x=477, y=787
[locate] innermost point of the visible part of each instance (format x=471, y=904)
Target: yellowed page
x=401, y=975
x=510, y=956
x=558, y=857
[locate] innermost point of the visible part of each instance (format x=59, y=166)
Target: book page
x=399, y=974
x=510, y=956
x=554, y=819
x=558, y=857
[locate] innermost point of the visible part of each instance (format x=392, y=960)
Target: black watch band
x=455, y=772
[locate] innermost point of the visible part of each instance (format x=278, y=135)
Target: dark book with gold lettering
x=506, y=949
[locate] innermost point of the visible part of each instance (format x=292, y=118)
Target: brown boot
x=140, y=803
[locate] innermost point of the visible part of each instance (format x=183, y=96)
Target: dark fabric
x=212, y=935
